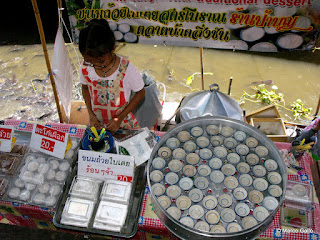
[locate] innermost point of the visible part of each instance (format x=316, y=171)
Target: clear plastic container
x=77, y=212
x=47, y=195
x=110, y=214
x=85, y=187
x=20, y=191
x=116, y=191
x=9, y=163
x=3, y=185
x=299, y=194
x=296, y=217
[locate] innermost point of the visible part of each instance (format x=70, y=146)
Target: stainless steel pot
x=185, y=232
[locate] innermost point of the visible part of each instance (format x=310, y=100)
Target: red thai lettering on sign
x=47, y=144
x=124, y=178
x=49, y=132
x=5, y=133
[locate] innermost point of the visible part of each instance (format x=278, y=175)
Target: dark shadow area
x=19, y=25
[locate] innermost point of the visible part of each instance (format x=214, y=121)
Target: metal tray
x=184, y=232
x=130, y=227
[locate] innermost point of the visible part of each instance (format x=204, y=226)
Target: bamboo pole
x=45, y=51
x=201, y=63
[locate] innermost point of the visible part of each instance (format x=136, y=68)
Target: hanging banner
x=62, y=72
x=255, y=25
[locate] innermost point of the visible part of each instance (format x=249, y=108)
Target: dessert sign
x=6, y=138
x=50, y=141
x=105, y=166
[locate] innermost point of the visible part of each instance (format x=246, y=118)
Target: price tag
x=50, y=141
x=6, y=138
x=105, y=166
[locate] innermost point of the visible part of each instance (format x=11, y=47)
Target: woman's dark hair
x=96, y=39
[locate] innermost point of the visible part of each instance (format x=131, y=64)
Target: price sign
x=105, y=166
x=6, y=137
x=48, y=140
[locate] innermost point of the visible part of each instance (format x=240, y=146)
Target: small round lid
x=242, y=149
x=173, y=191
x=226, y=131
x=233, y=227
x=217, y=176
x=192, y=158
x=189, y=146
x=260, y=213
x=179, y=153
x=240, y=193
x=251, y=142
x=228, y=215
x=164, y=201
x=233, y=158
x=196, y=211
x=164, y=152
x=204, y=170
x=231, y=182
x=202, y=226
x=252, y=159
x=186, y=183
x=212, y=217
x=209, y=202
x=215, y=163
x=205, y=153
x=245, y=180
x=174, y=212
x=240, y=136
x=260, y=184
x=195, y=195
x=173, y=142
x=230, y=142
x=255, y=196
x=158, y=163
x=271, y=165
x=175, y=165
x=202, y=142
x=171, y=178
x=270, y=203
x=243, y=167
x=218, y=229
x=188, y=221
x=183, y=202
x=183, y=136
x=196, y=131
x=248, y=222
x=212, y=129
x=274, y=177
x=220, y=152
x=259, y=171
x=242, y=209
x=156, y=176
x=158, y=189
x=189, y=170
x=201, y=182
x=228, y=169
x=216, y=140
x=225, y=200
x=261, y=151
x=275, y=190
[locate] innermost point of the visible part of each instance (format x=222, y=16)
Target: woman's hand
x=94, y=122
x=114, y=124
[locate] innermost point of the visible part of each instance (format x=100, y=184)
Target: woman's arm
x=114, y=124
x=94, y=122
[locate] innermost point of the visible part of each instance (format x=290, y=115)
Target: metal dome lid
x=210, y=103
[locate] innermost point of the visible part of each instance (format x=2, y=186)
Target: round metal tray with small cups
x=216, y=177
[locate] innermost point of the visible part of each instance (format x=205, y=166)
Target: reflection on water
x=26, y=93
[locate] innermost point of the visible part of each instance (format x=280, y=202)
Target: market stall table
x=149, y=224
